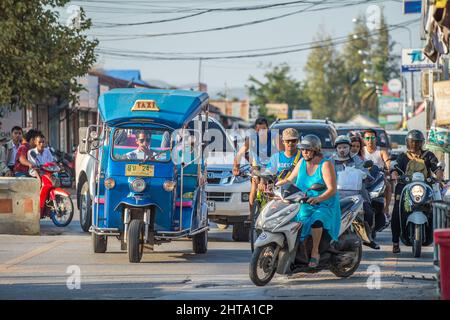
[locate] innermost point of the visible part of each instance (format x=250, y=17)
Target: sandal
x=313, y=262
x=396, y=248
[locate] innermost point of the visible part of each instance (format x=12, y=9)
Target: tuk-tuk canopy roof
x=173, y=108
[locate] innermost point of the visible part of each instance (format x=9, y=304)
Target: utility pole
x=199, y=73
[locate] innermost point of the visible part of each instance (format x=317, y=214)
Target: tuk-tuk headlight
x=169, y=185
x=417, y=193
x=138, y=185
x=110, y=183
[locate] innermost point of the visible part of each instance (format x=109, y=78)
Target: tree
x=278, y=87
x=356, y=51
x=40, y=58
x=324, y=72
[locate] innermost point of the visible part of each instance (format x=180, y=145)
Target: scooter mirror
x=318, y=187
x=368, y=164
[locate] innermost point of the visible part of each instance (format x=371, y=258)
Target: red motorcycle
x=54, y=201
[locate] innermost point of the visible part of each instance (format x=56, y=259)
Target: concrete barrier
x=19, y=206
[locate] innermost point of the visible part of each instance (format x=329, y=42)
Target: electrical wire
x=132, y=37
x=310, y=45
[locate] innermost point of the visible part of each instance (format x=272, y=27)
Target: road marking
x=29, y=255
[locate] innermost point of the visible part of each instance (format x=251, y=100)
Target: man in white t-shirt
x=39, y=155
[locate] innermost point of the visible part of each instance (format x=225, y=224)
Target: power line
x=132, y=37
x=312, y=45
x=260, y=7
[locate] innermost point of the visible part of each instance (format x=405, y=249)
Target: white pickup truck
x=227, y=195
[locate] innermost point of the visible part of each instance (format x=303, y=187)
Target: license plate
x=139, y=170
x=211, y=206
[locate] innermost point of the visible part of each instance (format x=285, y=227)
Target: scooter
x=415, y=211
x=279, y=249
x=67, y=167
x=54, y=201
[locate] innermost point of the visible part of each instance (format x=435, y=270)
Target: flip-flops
x=313, y=262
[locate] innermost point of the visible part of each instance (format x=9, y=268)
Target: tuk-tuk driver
x=142, y=151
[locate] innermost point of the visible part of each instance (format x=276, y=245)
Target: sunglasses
x=291, y=141
x=369, y=138
x=142, y=140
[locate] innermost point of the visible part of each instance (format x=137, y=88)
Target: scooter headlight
x=417, y=193
x=138, y=185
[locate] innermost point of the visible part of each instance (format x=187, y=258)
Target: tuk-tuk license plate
x=211, y=206
x=139, y=170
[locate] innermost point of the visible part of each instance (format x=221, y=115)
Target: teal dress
x=328, y=211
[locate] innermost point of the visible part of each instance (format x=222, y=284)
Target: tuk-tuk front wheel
x=99, y=243
x=135, y=240
x=200, y=242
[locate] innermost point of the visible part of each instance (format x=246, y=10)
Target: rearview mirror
x=88, y=139
x=82, y=140
x=368, y=164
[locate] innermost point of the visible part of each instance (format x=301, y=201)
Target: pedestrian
x=8, y=152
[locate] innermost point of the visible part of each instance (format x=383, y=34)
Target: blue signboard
x=412, y=6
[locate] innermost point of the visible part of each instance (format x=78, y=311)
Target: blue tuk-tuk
x=150, y=172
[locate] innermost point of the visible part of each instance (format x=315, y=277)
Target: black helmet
x=342, y=139
x=415, y=135
x=311, y=142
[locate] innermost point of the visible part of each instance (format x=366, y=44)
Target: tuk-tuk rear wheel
x=200, y=242
x=135, y=240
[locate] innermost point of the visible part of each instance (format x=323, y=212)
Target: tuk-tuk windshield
x=141, y=144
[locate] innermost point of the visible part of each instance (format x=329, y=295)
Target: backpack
x=416, y=164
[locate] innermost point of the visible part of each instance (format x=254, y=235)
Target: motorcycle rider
x=344, y=158
x=259, y=147
x=381, y=159
x=282, y=163
x=414, y=154
x=322, y=210
x=357, y=144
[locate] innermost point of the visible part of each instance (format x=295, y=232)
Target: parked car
x=324, y=129
x=382, y=136
x=397, y=141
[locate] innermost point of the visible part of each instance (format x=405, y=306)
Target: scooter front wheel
x=263, y=264
x=416, y=230
x=62, y=212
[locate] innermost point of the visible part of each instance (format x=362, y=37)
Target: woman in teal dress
x=322, y=211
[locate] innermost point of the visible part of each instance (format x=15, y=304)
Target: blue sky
x=297, y=28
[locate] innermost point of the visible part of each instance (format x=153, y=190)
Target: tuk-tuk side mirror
x=83, y=145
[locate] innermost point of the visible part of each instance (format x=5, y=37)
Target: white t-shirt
x=40, y=158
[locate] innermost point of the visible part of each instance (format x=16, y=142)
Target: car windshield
x=325, y=135
x=140, y=144
x=397, y=138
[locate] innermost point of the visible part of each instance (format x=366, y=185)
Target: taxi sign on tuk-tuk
x=145, y=195
x=145, y=105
